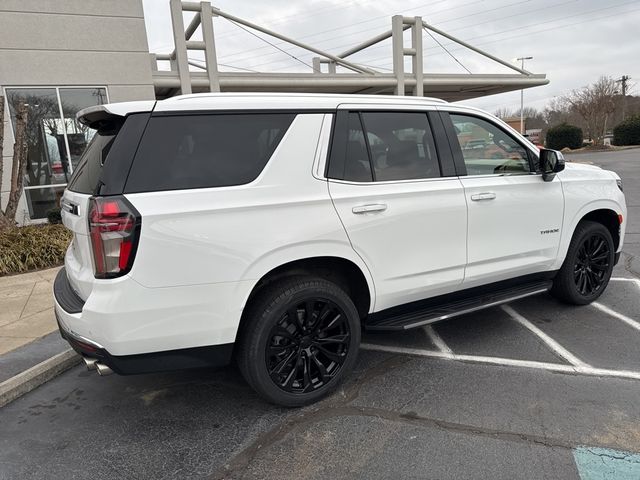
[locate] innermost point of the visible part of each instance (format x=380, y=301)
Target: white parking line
x=436, y=339
x=629, y=321
x=508, y=362
x=550, y=342
x=622, y=279
x=577, y=366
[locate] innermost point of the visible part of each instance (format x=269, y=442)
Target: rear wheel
x=299, y=341
x=587, y=267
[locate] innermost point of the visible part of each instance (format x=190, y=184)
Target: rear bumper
x=68, y=309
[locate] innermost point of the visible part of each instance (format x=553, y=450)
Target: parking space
x=523, y=391
x=537, y=332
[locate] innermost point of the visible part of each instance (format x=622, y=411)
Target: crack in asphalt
x=627, y=264
x=241, y=462
x=339, y=406
x=623, y=456
x=309, y=415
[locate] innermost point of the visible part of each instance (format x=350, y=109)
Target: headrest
x=402, y=153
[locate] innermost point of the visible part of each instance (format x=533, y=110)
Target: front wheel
x=587, y=267
x=299, y=340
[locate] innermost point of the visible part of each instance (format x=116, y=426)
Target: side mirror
x=551, y=162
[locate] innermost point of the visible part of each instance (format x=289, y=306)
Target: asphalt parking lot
x=531, y=390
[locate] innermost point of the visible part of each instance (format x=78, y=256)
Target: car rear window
x=205, y=150
x=105, y=163
x=86, y=175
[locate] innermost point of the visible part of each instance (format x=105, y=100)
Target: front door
x=406, y=221
x=515, y=218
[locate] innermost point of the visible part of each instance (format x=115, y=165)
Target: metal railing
x=204, y=14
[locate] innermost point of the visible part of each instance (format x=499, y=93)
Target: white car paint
x=587, y=188
x=504, y=232
x=425, y=220
x=202, y=251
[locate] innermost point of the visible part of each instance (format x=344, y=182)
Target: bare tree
x=594, y=103
x=3, y=221
x=43, y=120
x=20, y=149
x=504, y=113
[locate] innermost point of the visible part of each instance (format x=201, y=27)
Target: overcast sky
x=573, y=42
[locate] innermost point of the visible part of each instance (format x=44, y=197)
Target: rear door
x=400, y=202
x=515, y=218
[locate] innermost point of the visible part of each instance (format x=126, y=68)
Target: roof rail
x=348, y=97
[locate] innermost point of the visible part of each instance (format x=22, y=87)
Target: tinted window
x=356, y=165
x=198, y=151
x=487, y=149
x=85, y=177
x=401, y=144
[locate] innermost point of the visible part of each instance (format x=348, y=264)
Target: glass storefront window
x=42, y=199
x=45, y=138
x=73, y=100
x=55, y=139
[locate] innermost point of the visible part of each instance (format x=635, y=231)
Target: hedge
x=32, y=247
x=564, y=135
x=627, y=132
x=54, y=216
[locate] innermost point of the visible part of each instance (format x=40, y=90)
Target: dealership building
x=58, y=57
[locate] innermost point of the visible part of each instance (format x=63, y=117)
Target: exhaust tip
x=90, y=363
x=102, y=369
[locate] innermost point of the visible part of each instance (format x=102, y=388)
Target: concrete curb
x=32, y=378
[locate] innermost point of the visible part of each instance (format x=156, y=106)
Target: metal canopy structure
x=324, y=77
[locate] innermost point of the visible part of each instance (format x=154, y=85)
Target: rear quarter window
x=104, y=165
x=86, y=175
x=205, y=150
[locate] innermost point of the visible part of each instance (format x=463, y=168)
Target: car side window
x=401, y=145
x=487, y=149
x=203, y=151
x=386, y=146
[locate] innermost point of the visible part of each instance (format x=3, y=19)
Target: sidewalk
x=32, y=351
x=26, y=308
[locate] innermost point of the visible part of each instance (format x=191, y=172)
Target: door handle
x=376, y=207
x=483, y=196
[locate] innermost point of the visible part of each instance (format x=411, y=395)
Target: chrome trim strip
x=394, y=182
x=496, y=175
x=70, y=207
x=72, y=334
x=82, y=339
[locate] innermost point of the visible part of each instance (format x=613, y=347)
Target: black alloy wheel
x=308, y=345
x=588, y=265
x=299, y=340
x=592, y=264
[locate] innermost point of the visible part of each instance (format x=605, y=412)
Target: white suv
x=271, y=228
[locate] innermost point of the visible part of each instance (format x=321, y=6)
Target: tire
x=287, y=357
x=587, y=268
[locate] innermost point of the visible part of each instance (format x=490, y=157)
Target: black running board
x=433, y=310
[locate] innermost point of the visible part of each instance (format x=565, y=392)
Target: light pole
x=522, y=59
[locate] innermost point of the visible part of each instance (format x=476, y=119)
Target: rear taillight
x=114, y=228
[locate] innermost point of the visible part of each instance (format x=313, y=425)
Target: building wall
x=98, y=43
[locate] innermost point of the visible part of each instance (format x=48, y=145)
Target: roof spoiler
x=99, y=115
